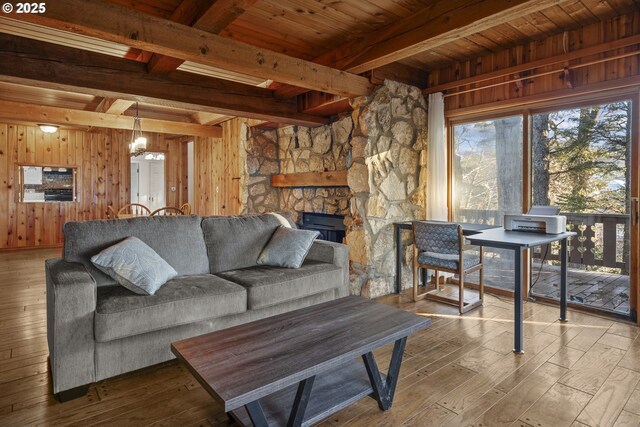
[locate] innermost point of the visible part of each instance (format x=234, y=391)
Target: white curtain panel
x=436, y=160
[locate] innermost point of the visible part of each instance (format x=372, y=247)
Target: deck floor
x=599, y=290
x=591, y=288
x=458, y=372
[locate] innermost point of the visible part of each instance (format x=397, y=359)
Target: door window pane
x=487, y=183
x=581, y=163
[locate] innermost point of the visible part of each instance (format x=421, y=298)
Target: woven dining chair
x=167, y=211
x=132, y=210
x=439, y=246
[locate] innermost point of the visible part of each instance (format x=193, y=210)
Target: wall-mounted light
x=48, y=128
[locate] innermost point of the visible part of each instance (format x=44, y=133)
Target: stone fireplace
x=380, y=145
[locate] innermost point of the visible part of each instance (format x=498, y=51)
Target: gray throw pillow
x=135, y=266
x=288, y=247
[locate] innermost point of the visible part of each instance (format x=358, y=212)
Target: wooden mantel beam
x=31, y=62
x=121, y=25
x=18, y=112
x=310, y=179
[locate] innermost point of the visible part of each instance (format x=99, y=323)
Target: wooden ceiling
x=275, y=55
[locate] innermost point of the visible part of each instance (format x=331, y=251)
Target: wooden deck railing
x=600, y=240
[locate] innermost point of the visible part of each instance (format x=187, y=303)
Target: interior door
x=135, y=182
x=156, y=184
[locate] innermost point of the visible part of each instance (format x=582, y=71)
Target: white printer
x=540, y=219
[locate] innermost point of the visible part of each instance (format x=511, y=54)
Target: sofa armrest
x=333, y=253
x=71, y=303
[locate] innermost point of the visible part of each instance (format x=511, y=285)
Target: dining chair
x=439, y=246
x=111, y=213
x=167, y=210
x=132, y=210
x=186, y=208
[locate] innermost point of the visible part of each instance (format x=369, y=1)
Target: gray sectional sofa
x=97, y=329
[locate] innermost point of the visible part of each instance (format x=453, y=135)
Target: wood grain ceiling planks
x=160, y=8
x=310, y=29
x=47, y=97
x=535, y=26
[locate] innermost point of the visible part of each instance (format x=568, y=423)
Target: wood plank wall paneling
x=103, y=163
x=217, y=172
x=591, y=35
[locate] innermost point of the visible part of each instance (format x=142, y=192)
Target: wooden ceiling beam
x=31, y=113
x=442, y=22
x=121, y=25
x=217, y=16
x=35, y=63
x=324, y=104
x=205, y=118
x=114, y=106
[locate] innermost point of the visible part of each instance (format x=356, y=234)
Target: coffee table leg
x=383, y=393
x=297, y=410
x=256, y=414
x=300, y=402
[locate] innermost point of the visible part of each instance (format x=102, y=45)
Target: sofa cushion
x=235, y=242
x=184, y=299
x=134, y=265
x=267, y=285
x=288, y=247
x=177, y=239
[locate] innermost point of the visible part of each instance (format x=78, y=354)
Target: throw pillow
x=288, y=247
x=284, y=220
x=134, y=265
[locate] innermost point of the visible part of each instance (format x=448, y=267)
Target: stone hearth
x=381, y=145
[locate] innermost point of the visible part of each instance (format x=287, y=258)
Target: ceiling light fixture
x=138, y=144
x=48, y=128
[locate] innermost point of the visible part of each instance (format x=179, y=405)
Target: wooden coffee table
x=299, y=367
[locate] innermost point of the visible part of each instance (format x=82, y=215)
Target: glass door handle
x=635, y=211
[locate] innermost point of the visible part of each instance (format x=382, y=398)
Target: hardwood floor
x=460, y=371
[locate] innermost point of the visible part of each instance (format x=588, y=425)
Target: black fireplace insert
x=331, y=227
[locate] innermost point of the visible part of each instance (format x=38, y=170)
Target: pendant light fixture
x=138, y=144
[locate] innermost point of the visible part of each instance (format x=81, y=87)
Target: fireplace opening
x=331, y=227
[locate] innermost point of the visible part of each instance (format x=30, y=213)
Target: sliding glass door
x=581, y=162
x=582, y=159
x=486, y=178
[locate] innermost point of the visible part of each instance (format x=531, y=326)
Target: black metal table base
x=383, y=389
x=518, y=300
x=384, y=392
